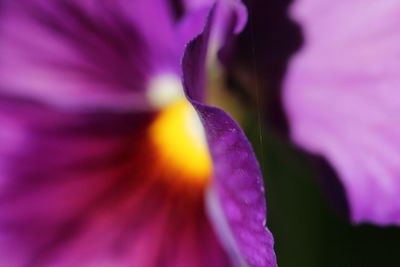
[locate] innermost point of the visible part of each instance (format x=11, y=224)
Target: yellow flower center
x=179, y=138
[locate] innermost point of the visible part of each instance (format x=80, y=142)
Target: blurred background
x=307, y=210
x=308, y=230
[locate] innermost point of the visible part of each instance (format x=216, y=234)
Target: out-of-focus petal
x=226, y=9
x=236, y=201
x=343, y=101
x=231, y=15
x=91, y=190
x=194, y=19
x=88, y=54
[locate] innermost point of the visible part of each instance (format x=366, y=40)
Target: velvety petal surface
x=82, y=182
x=236, y=201
x=343, y=100
x=93, y=190
x=90, y=54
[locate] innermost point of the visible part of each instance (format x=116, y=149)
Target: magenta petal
x=239, y=188
x=87, y=190
x=86, y=54
x=193, y=21
x=343, y=100
x=82, y=186
x=236, y=201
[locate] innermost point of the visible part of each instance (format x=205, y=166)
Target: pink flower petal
x=343, y=100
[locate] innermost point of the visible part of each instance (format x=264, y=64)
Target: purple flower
x=103, y=161
x=343, y=101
